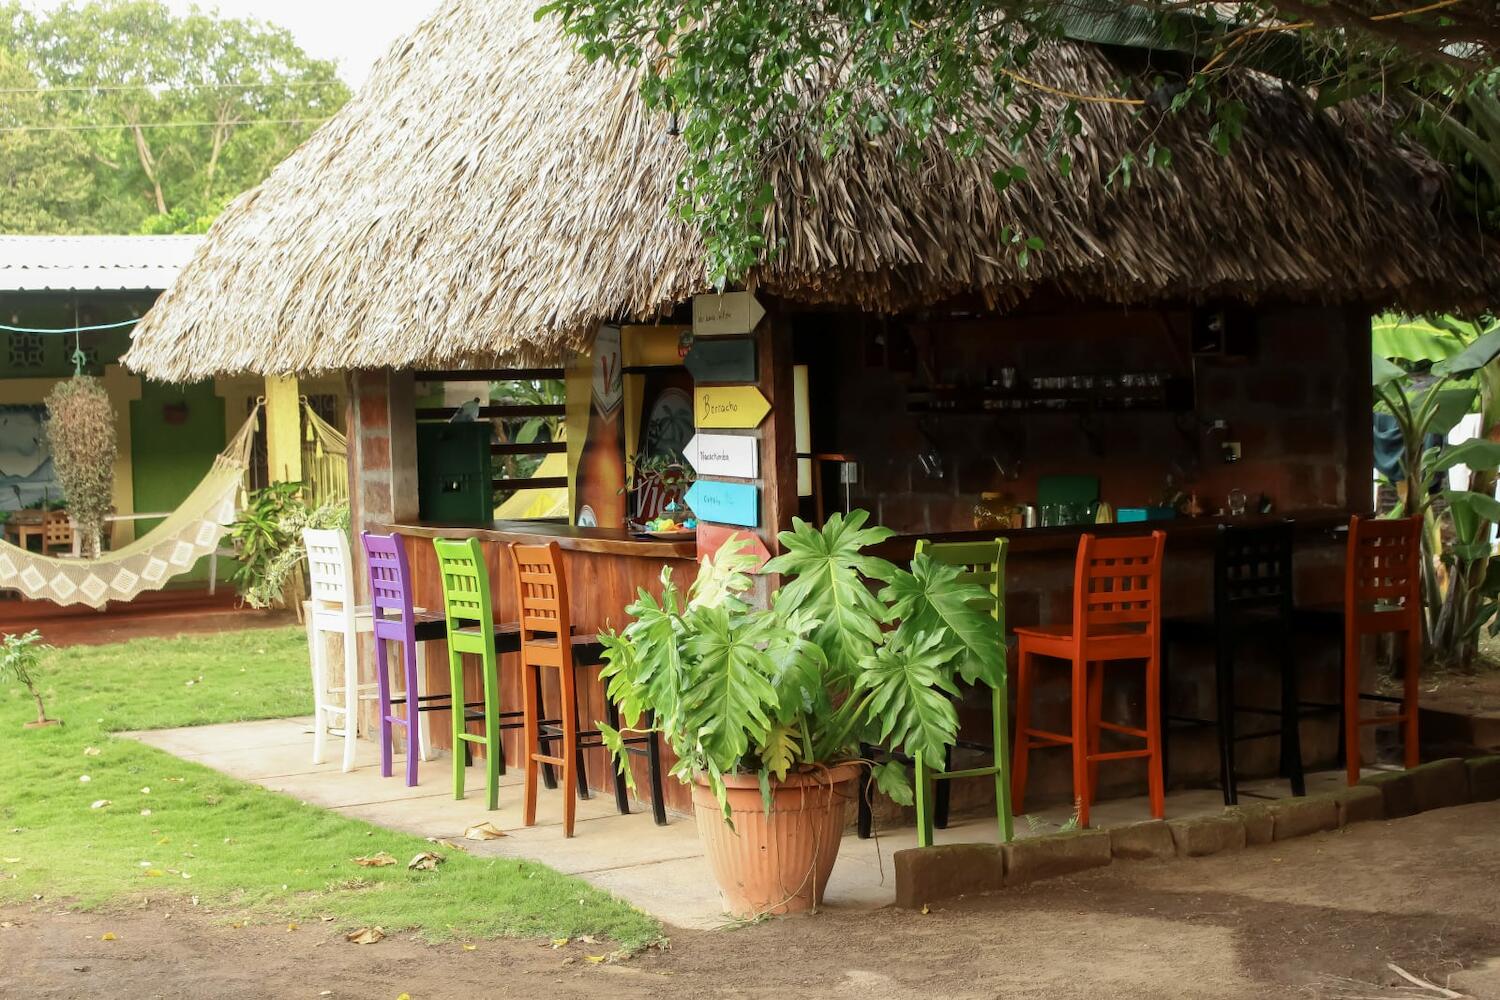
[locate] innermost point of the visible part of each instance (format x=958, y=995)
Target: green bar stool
x=471, y=630
x=981, y=564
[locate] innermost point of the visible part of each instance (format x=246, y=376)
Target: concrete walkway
x=661, y=870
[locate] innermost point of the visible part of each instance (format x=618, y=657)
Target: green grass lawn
x=238, y=848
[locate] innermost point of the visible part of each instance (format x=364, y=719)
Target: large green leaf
x=1478, y=354
x=1468, y=509
x=931, y=599
x=1383, y=371
x=1476, y=453
x=730, y=696
x=829, y=576
x=910, y=689
x=1444, y=407
x=723, y=576
x=1418, y=339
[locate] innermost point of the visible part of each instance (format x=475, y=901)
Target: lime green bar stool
x=981, y=564
x=471, y=630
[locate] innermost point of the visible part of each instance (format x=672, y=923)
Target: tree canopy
x=735, y=75
x=119, y=116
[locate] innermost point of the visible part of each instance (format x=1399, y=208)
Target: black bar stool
x=1252, y=603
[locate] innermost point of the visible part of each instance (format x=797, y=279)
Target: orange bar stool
x=548, y=643
x=1116, y=616
x=1383, y=595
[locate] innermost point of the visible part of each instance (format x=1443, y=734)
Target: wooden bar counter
x=605, y=569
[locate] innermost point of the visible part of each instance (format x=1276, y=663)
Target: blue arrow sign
x=725, y=503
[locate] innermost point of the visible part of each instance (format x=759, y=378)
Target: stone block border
x=931, y=874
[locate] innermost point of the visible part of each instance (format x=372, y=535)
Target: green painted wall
x=170, y=459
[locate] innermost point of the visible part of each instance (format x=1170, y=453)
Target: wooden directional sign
x=732, y=455
x=711, y=538
x=725, y=503
x=740, y=407
x=725, y=315
x=722, y=359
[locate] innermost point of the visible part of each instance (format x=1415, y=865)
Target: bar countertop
x=1194, y=532
x=603, y=541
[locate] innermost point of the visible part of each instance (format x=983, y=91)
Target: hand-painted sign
x=725, y=503
x=724, y=455
x=711, y=538
x=722, y=359
x=725, y=315
x=741, y=407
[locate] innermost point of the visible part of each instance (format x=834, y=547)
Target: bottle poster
x=600, y=483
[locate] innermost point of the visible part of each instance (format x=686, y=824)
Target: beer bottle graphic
x=600, y=484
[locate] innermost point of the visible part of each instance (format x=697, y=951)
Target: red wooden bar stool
x=1116, y=616
x=542, y=590
x=1382, y=595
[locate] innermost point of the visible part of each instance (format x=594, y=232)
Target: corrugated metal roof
x=92, y=263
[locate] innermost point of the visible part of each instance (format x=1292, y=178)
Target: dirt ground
x=1317, y=917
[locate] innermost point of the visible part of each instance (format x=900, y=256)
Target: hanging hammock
x=325, y=459
x=171, y=548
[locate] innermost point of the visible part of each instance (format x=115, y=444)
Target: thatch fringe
x=489, y=198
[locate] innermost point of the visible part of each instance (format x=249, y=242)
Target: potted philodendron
x=20, y=660
x=766, y=708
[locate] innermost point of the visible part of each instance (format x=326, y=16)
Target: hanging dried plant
x=81, y=429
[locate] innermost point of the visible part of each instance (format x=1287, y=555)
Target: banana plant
x=1459, y=590
x=851, y=649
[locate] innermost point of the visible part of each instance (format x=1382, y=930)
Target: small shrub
x=20, y=660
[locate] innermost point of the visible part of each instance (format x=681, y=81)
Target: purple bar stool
x=396, y=620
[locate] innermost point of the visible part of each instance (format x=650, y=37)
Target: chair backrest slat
x=466, y=584
x=542, y=590
x=1117, y=581
x=1253, y=569
x=390, y=580
x=981, y=564
x=1384, y=563
x=329, y=573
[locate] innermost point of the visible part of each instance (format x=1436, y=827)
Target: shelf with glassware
x=1131, y=391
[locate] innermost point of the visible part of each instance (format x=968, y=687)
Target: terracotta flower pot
x=776, y=863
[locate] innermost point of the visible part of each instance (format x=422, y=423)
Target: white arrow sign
x=726, y=315
x=731, y=455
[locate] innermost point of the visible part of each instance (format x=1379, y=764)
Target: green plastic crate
x=454, y=479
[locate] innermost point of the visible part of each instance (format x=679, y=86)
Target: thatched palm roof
x=490, y=197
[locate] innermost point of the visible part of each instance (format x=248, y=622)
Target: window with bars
x=526, y=410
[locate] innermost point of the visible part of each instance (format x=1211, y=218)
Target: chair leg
x=865, y=825
x=941, y=792
x=531, y=699
x=653, y=766
x=421, y=718
x=622, y=795
x=1351, y=703
x=1000, y=716
x=416, y=739
x=383, y=685
x=1224, y=690
x=549, y=775
x=1411, y=697
x=1094, y=682
x=1291, y=718
x=461, y=755
x=1079, y=710
x=581, y=773
x=351, y=700
x=320, y=687
x=493, y=753
x=1023, y=741
x=1165, y=708
x=569, y=753
x=1154, y=777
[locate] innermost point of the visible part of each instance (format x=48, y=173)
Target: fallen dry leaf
x=153, y=873
x=107, y=936
x=91, y=751
x=145, y=812
x=84, y=779
x=380, y=860
x=426, y=861
x=483, y=831
x=12, y=861
x=558, y=943
x=365, y=935
x=445, y=842
x=467, y=947
x=100, y=803
x=291, y=927
x=596, y=959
